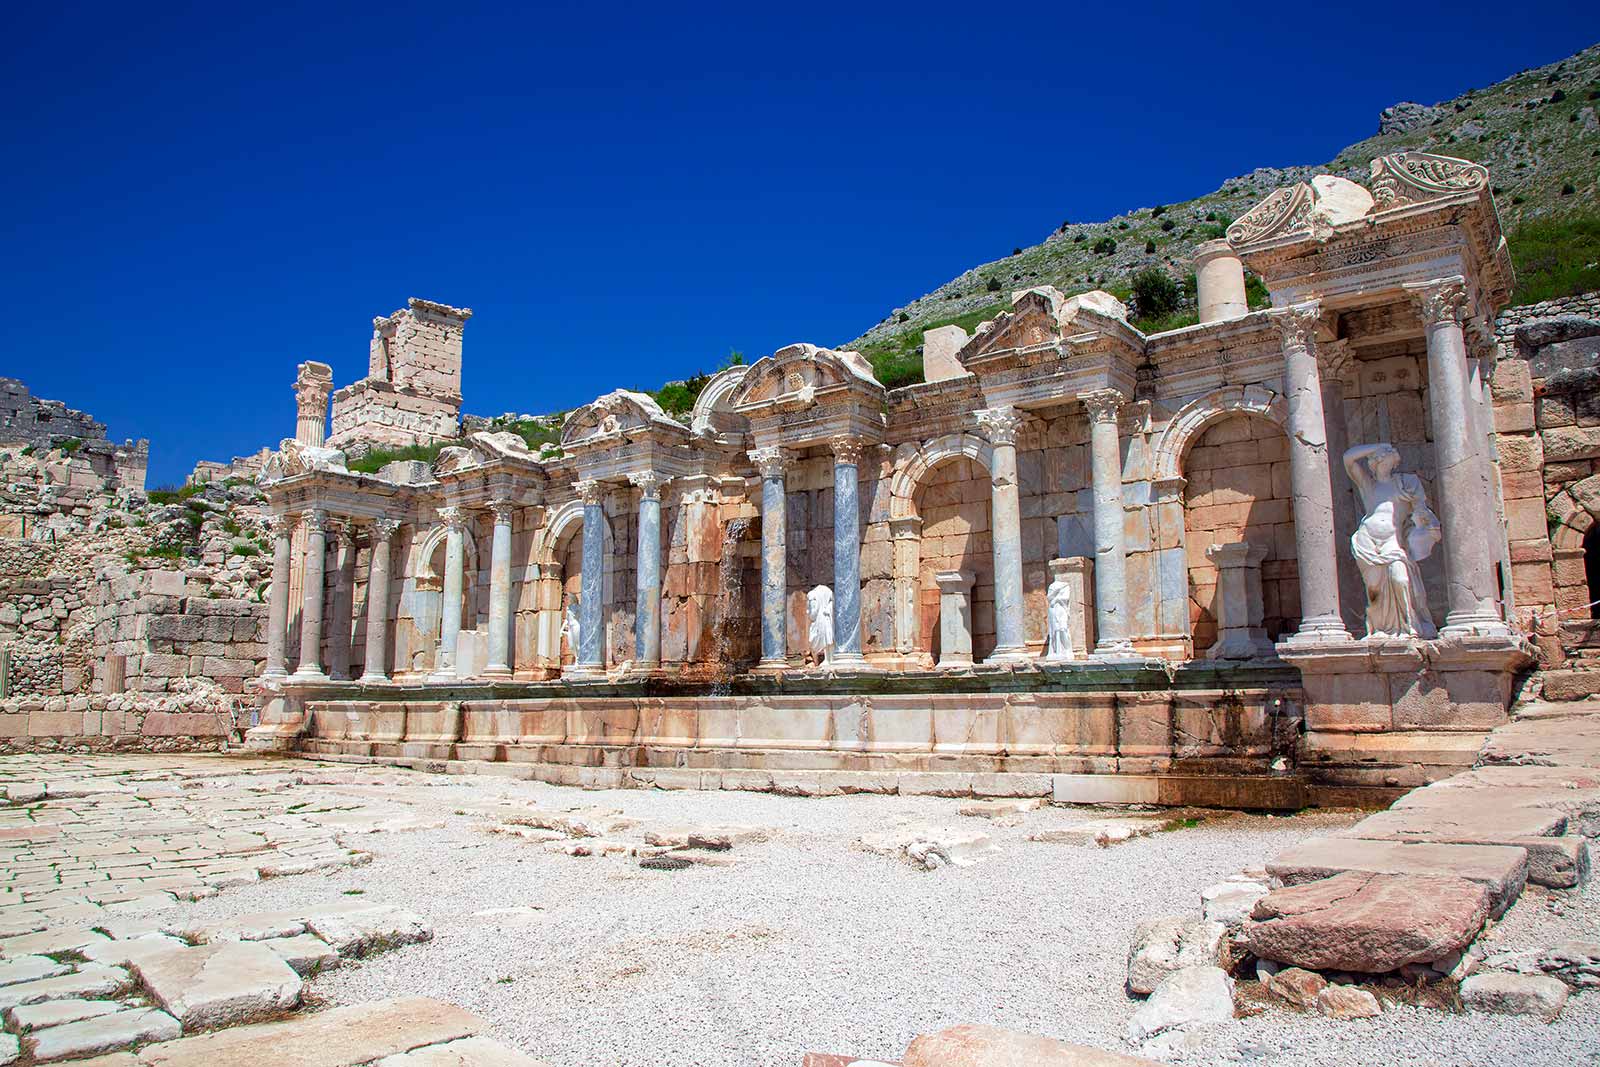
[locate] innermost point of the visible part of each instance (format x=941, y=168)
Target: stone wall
x=27, y=419
x=153, y=629
x=412, y=392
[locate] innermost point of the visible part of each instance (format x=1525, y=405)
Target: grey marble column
x=1110, y=537
x=499, y=651
x=846, y=550
x=591, y=639
x=315, y=570
x=773, y=463
x=376, y=668
x=282, y=528
x=1000, y=426
x=647, y=613
x=455, y=522
x=1310, y=482
x=1336, y=368
x=342, y=612
x=1468, y=533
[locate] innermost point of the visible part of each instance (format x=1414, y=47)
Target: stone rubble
x=931, y=847
x=1515, y=994
x=1186, y=997
x=1164, y=946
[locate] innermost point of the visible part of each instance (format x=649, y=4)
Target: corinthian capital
x=383, y=529
x=453, y=518
x=648, y=483
x=847, y=449
x=1000, y=424
x=315, y=521
x=1441, y=301
x=1297, y=324
x=590, y=491
x=1334, y=362
x=503, y=508
x=280, y=525
x=771, y=462
x=1103, y=405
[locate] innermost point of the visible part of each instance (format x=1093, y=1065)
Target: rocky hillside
x=1537, y=133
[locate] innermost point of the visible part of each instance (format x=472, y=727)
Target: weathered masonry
x=1255, y=560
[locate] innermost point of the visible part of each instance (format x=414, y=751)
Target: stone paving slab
x=56, y=1012
x=104, y=1033
x=373, y=928
x=219, y=985
x=1547, y=735
x=29, y=969
x=306, y=953
x=1554, y=858
x=467, y=1052
x=1500, y=869
x=90, y=980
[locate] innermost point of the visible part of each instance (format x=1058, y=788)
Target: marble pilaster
x=375, y=667
x=341, y=613
x=955, y=619
x=1337, y=369
x=1000, y=426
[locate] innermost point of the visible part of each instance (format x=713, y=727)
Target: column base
x=1314, y=633
x=273, y=673
x=307, y=676
x=1015, y=654
x=1119, y=651
x=584, y=672
x=373, y=679
x=953, y=663
x=496, y=674
x=1476, y=623
x=771, y=666
x=849, y=661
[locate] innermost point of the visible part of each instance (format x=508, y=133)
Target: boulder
x=1348, y=1002
x=1296, y=986
x=1169, y=944
x=1367, y=923
x=990, y=1046
x=1184, y=998
x=1514, y=994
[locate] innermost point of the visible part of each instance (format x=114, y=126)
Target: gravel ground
x=805, y=943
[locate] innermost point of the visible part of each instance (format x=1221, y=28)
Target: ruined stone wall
x=412, y=392
x=153, y=628
x=27, y=419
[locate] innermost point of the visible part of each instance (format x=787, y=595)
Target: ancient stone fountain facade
x=1187, y=488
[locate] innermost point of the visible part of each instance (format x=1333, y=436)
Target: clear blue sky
x=199, y=198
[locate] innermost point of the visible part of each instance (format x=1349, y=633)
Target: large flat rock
x=90, y=980
x=103, y=1033
x=467, y=1052
x=1573, y=791
x=358, y=1033
x=990, y=1046
x=1556, y=738
x=364, y=931
x=1479, y=818
x=1501, y=869
x=221, y=984
x=1369, y=923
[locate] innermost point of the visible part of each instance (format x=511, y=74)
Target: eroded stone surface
x=467, y=1052
x=1229, y=903
x=372, y=929
x=103, y=1033
x=1515, y=994
x=1184, y=998
x=1501, y=870
x=990, y=1046
x=222, y=984
x=90, y=980
x=1296, y=986
x=931, y=847
x=29, y=969
x=1347, y=1002
x=1170, y=944
x=56, y=1012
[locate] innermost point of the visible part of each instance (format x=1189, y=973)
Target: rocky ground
x=795, y=938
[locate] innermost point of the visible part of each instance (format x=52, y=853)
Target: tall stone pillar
x=1000, y=426
x=1309, y=479
x=282, y=528
x=647, y=613
x=773, y=463
x=847, y=451
x=906, y=532
x=1110, y=537
x=499, y=665
x=1480, y=368
x=1337, y=368
x=591, y=639
x=315, y=570
x=311, y=388
x=376, y=668
x=1468, y=533
x=955, y=619
x=341, y=613
x=455, y=524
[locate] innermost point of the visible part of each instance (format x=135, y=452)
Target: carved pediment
x=617, y=415
x=294, y=458
x=1313, y=209
x=1284, y=211
x=1416, y=177
x=713, y=409
x=1030, y=323
x=797, y=374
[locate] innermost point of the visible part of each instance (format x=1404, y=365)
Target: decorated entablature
x=803, y=394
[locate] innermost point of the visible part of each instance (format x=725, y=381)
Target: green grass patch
x=1556, y=257
x=378, y=458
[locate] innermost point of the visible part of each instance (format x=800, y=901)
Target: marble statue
x=1058, y=618
x=1398, y=532
x=819, y=612
x=570, y=627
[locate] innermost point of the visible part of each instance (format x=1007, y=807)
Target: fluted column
x=846, y=549
x=375, y=668
x=1336, y=367
x=455, y=523
x=1468, y=542
x=1309, y=479
x=341, y=612
x=647, y=572
x=1110, y=537
x=499, y=665
x=282, y=528
x=314, y=569
x=773, y=463
x=1000, y=426
x=591, y=640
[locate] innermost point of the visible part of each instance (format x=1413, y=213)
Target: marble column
x=499, y=653
x=1110, y=537
x=955, y=619
x=342, y=612
x=1336, y=367
x=647, y=611
x=314, y=568
x=376, y=667
x=1000, y=426
x=1468, y=533
x=847, y=451
x=1480, y=368
x=455, y=524
x=773, y=463
x=282, y=528
x=1310, y=482
x=591, y=650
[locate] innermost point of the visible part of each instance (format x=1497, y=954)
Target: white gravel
x=805, y=943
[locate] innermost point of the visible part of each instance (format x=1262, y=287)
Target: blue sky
x=200, y=198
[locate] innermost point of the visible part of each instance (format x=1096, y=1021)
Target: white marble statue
x=1058, y=617
x=570, y=627
x=819, y=611
x=1398, y=532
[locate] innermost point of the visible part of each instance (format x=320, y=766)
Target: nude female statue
x=1398, y=532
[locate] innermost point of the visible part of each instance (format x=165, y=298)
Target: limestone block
x=1161, y=947
x=1185, y=997
x=57, y=1012
x=220, y=984
x=939, y=348
x=90, y=980
x=466, y=1052
x=104, y=1033
x=369, y=930
x=988, y=1046
x=29, y=969
x=1347, y=1002
x=1515, y=994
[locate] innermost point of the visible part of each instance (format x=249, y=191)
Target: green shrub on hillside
x=1155, y=294
x=378, y=458
x=1555, y=257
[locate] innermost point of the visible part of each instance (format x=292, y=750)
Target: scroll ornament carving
x=1297, y=324
x=589, y=491
x=315, y=522
x=293, y=458
x=1334, y=362
x=503, y=508
x=453, y=518
x=648, y=483
x=1283, y=211
x=771, y=462
x=1414, y=177
x=1443, y=301
x=383, y=529
x=1103, y=405
x=1000, y=425
x=847, y=449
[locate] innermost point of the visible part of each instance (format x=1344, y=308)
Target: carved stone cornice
x=847, y=449
x=590, y=491
x=999, y=424
x=383, y=529
x=1440, y=302
x=454, y=518
x=1286, y=210
x=648, y=483
x=1415, y=177
x=772, y=462
x=1103, y=405
x=1297, y=324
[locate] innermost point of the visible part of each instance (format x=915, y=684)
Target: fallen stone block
x=57, y=1012
x=1001, y=809
x=104, y=1033
x=718, y=836
x=465, y=1052
x=1169, y=944
x=1347, y=1002
x=1555, y=858
x=123, y=953
x=369, y=930
x=1515, y=994
x=256, y=926
x=222, y=984
x=90, y=980
x=29, y=969
x=1502, y=870
x=931, y=847
x=990, y=1046
x=1367, y=923
x=1102, y=832
x=1295, y=986
x=582, y=822
x=1229, y=903
x=1558, y=739
x=1184, y=998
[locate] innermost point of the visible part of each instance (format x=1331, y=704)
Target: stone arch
x=713, y=408
x=561, y=526
x=1575, y=554
x=914, y=465
x=1195, y=417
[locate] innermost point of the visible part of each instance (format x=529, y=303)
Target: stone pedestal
x=955, y=619
x=1240, y=606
